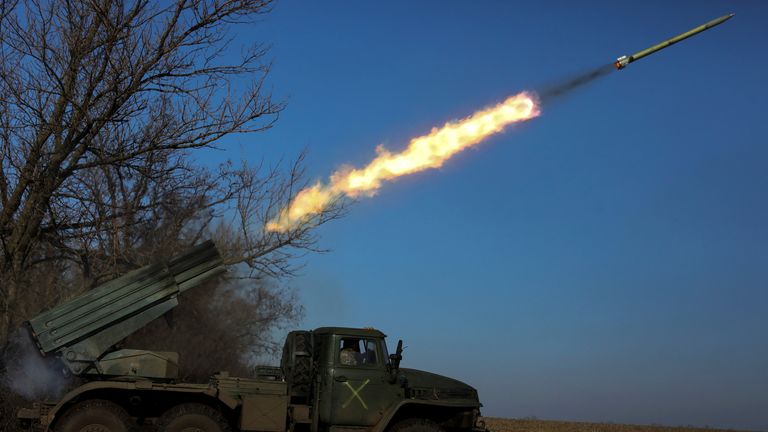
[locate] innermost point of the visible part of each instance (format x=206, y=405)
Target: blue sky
x=607, y=261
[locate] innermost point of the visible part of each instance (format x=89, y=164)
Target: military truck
x=331, y=379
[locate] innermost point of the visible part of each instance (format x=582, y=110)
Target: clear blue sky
x=607, y=261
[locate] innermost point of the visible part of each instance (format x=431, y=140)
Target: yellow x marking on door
x=356, y=393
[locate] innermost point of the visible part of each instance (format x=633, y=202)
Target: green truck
x=331, y=379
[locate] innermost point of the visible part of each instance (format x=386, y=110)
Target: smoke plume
x=555, y=91
x=29, y=374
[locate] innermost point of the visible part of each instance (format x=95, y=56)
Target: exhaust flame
x=424, y=152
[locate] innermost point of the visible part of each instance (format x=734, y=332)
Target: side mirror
x=394, y=360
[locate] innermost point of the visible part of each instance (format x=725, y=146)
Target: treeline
x=105, y=108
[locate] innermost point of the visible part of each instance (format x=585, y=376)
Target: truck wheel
x=193, y=417
x=416, y=425
x=95, y=415
x=297, y=365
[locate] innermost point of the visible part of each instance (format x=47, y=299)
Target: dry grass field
x=534, y=425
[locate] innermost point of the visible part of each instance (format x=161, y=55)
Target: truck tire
x=297, y=365
x=193, y=417
x=416, y=425
x=95, y=415
x=302, y=366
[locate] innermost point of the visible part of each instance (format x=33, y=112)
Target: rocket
x=623, y=61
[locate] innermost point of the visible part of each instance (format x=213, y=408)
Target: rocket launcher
x=84, y=331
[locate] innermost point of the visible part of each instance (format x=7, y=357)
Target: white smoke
x=31, y=375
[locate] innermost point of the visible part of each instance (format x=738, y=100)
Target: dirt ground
x=535, y=425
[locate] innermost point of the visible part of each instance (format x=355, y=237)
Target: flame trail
x=424, y=152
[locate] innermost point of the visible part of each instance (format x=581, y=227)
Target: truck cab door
x=361, y=391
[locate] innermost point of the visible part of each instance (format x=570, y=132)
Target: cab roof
x=350, y=331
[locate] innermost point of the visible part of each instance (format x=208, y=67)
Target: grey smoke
x=555, y=91
x=31, y=375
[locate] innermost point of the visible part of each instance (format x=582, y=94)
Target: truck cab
x=357, y=385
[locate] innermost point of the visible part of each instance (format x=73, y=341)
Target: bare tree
x=101, y=104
